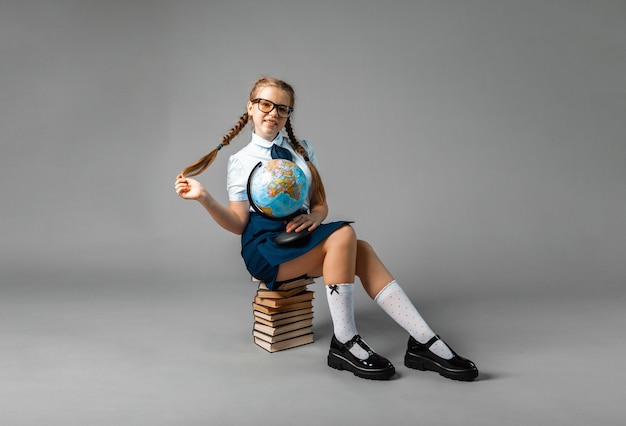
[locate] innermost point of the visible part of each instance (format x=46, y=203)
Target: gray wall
x=478, y=145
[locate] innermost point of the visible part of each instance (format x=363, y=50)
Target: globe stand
x=291, y=238
x=284, y=238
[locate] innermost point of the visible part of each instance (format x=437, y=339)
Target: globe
x=277, y=189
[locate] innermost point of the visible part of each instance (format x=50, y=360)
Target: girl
x=331, y=251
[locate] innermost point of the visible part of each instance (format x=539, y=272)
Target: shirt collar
x=258, y=140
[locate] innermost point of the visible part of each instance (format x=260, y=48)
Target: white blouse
x=241, y=164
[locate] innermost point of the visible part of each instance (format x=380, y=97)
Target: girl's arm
x=233, y=218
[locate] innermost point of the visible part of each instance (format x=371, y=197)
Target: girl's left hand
x=302, y=222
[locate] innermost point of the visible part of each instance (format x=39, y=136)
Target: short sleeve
x=236, y=181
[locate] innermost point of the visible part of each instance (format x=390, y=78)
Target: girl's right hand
x=189, y=189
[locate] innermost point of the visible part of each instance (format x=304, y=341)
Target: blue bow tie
x=280, y=152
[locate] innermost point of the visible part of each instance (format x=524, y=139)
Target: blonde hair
x=318, y=194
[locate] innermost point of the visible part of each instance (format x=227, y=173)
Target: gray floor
x=92, y=347
x=499, y=123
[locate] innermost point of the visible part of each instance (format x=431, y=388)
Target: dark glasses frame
x=283, y=111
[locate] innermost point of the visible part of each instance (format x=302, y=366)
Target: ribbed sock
x=399, y=307
x=341, y=304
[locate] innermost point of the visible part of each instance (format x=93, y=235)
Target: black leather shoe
x=419, y=357
x=375, y=367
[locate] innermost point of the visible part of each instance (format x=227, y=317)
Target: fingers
x=181, y=186
x=313, y=226
x=300, y=223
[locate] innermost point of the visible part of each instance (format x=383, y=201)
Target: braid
x=243, y=120
x=204, y=162
x=318, y=194
x=294, y=141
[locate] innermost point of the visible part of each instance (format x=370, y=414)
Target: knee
x=344, y=236
x=347, y=235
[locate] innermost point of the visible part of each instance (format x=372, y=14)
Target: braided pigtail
x=318, y=194
x=204, y=162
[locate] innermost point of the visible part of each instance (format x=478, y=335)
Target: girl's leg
x=339, y=258
x=383, y=288
x=335, y=259
x=425, y=350
x=373, y=274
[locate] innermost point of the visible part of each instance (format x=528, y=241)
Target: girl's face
x=268, y=124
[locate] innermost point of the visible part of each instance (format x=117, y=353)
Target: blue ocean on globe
x=277, y=188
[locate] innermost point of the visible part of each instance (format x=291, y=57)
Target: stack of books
x=283, y=318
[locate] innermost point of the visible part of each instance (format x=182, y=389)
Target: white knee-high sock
x=399, y=307
x=341, y=304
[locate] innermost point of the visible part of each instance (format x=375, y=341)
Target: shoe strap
x=435, y=339
x=359, y=341
x=432, y=341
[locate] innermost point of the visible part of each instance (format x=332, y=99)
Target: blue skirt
x=262, y=255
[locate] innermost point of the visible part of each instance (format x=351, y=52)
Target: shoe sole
x=423, y=364
x=338, y=362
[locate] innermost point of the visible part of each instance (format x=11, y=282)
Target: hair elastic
x=220, y=146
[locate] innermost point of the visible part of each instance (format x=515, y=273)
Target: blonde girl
x=332, y=250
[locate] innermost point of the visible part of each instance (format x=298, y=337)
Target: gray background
x=480, y=147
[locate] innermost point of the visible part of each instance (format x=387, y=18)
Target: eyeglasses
x=266, y=106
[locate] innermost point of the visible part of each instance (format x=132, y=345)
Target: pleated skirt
x=262, y=255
